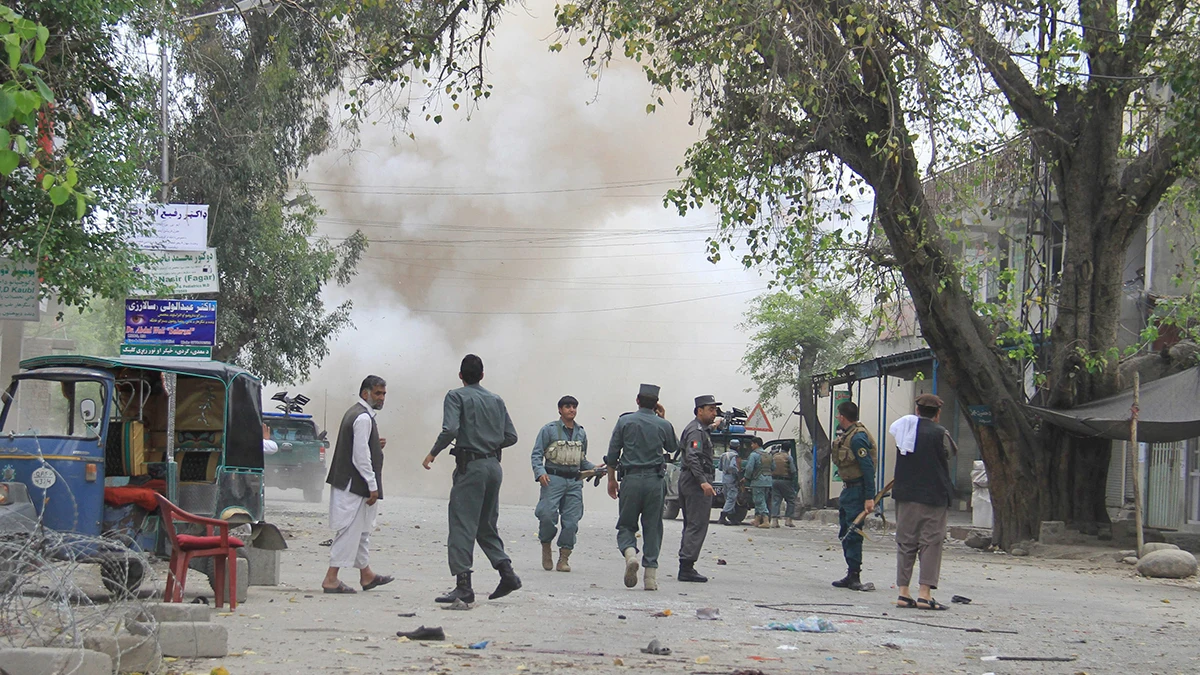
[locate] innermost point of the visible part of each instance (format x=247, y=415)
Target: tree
x=793, y=338
x=800, y=98
x=76, y=126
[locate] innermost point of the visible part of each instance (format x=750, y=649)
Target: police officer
x=479, y=421
x=757, y=473
x=783, y=485
x=854, y=454
x=639, y=440
x=695, y=485
x=730, y=461
x=559, y=455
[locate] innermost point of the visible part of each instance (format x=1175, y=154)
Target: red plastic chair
x=221, y=547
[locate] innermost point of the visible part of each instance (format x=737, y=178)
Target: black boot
x=687, y=572
x=850, y=581
x=462, y=591
x=724, y=519
x=509, y=581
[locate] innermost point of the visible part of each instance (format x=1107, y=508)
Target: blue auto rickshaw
x=76, y=427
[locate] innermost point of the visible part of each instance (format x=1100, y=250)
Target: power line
x=583, y=311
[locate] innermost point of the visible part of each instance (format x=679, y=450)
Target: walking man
x=758, y=478
x=854, y=454
x=729, y=480
x=695, y=486
x=639, y=440
x=923, y=493
x=559, y=455
x=356, y=486
x=783, y=486
x=479, y=421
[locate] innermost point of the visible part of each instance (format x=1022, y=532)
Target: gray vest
x=342, y=474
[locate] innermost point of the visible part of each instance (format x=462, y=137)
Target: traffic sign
x=757, y=421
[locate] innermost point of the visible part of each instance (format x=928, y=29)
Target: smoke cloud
x=533, y=235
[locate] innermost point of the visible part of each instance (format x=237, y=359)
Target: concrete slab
x=193, y=640
x=129, y=653
x=265, y=566
x=51, y=661
x=243, y=580
x=1052, y=532
x=173, y=611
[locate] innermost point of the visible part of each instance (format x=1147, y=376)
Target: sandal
x=379, y=580
x=906, y=602
x=922, y=603
x=340, y=588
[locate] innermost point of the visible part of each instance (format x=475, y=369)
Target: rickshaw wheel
x=121, y=574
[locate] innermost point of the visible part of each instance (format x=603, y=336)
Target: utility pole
x=165, y=123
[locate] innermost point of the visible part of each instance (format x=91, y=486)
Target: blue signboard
x=171, y=322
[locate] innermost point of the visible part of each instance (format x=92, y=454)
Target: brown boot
x=764, y=522
x=774, y=522
x=547, y=556
x=790, y=523
x=564, y=560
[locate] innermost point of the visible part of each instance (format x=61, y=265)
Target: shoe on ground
x=651, y=578
x=462, y=591
x=423, y=633
x=564, y=560
x=631, y=567
x=509, y=581
x=774, y=522
x=850, y=581
x=687, y=572
x=547, y=556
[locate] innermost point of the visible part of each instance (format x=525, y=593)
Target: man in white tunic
x=356, y=486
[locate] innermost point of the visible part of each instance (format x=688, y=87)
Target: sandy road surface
x=1091, y=608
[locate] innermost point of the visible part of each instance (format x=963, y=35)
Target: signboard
x=171, y=351
x=981, y=415
x=18, y=291
x=757, y=421
x=173, y=227
x=185, y=271
x=171, y=322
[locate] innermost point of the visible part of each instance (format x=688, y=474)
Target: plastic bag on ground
x=813, y=624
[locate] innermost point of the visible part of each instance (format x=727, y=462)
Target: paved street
x=1091, y=608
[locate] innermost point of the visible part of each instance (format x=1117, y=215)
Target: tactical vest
x=565, y=452
x=760, y=468
x=780, y=466
x=845, y=458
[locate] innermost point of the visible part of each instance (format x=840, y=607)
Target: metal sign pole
x=1137, y=473
x=169, y=382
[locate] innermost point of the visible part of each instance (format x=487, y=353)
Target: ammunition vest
x=780, y=466
x=565, y=452
x=846, y=458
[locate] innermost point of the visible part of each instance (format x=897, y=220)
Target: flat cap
x=650, y=390
x=707, y=399
x=929, y=401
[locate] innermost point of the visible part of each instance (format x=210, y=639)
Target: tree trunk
x=820, y=439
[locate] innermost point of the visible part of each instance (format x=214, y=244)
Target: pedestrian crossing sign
x=757, y=421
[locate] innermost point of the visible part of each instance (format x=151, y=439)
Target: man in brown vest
x=356, y=486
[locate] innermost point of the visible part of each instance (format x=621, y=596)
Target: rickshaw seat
x=215, y=543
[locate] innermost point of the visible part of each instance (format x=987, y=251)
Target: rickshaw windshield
x=60, y=407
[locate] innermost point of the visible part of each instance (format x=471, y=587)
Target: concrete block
x=50, y=661
x=265, y=566
x=1053, y=532
x=1188, y=541
x=129, y=653
x=243, y=580
x=193, y=640
x=172, y=611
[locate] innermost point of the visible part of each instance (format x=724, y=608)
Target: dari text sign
x=173, y=227
x=171, y=322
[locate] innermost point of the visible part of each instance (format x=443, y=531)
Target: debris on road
x=479, y=645
x=708, y=614
x=960, y=599
x=423, y=633
x=657, y=648
x=1046, y=659
x=458, y=604
x=665, y=612
x=813, y=624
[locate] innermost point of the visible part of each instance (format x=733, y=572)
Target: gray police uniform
x=697, y=468
x=479, y=420
x=560, y=453
x=639, y=440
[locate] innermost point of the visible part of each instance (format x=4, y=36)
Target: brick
x=129, y=653
x=172, y=611
x=50, y=661
x=265, y=566
x=193, y=640
x=1053, y=532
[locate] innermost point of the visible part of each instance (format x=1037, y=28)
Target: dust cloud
x=533, y=235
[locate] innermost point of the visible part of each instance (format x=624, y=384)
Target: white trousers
x=352, y=520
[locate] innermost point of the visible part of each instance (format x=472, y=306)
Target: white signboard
x=185, y=271
x=18, y=291
x=174, y=227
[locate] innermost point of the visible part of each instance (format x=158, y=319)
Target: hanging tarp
x=1169, y=411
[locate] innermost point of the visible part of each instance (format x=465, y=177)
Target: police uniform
x=783, y=487
x=560, y=453
x=854, y=454
x=639, y=440
x=730, y=462
x=479, y=422
x=696, y=469
x=758, y=479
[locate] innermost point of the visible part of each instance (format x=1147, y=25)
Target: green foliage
x=793, y=337
x=66, y=75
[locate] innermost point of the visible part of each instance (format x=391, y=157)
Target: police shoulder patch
x=862, y=452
